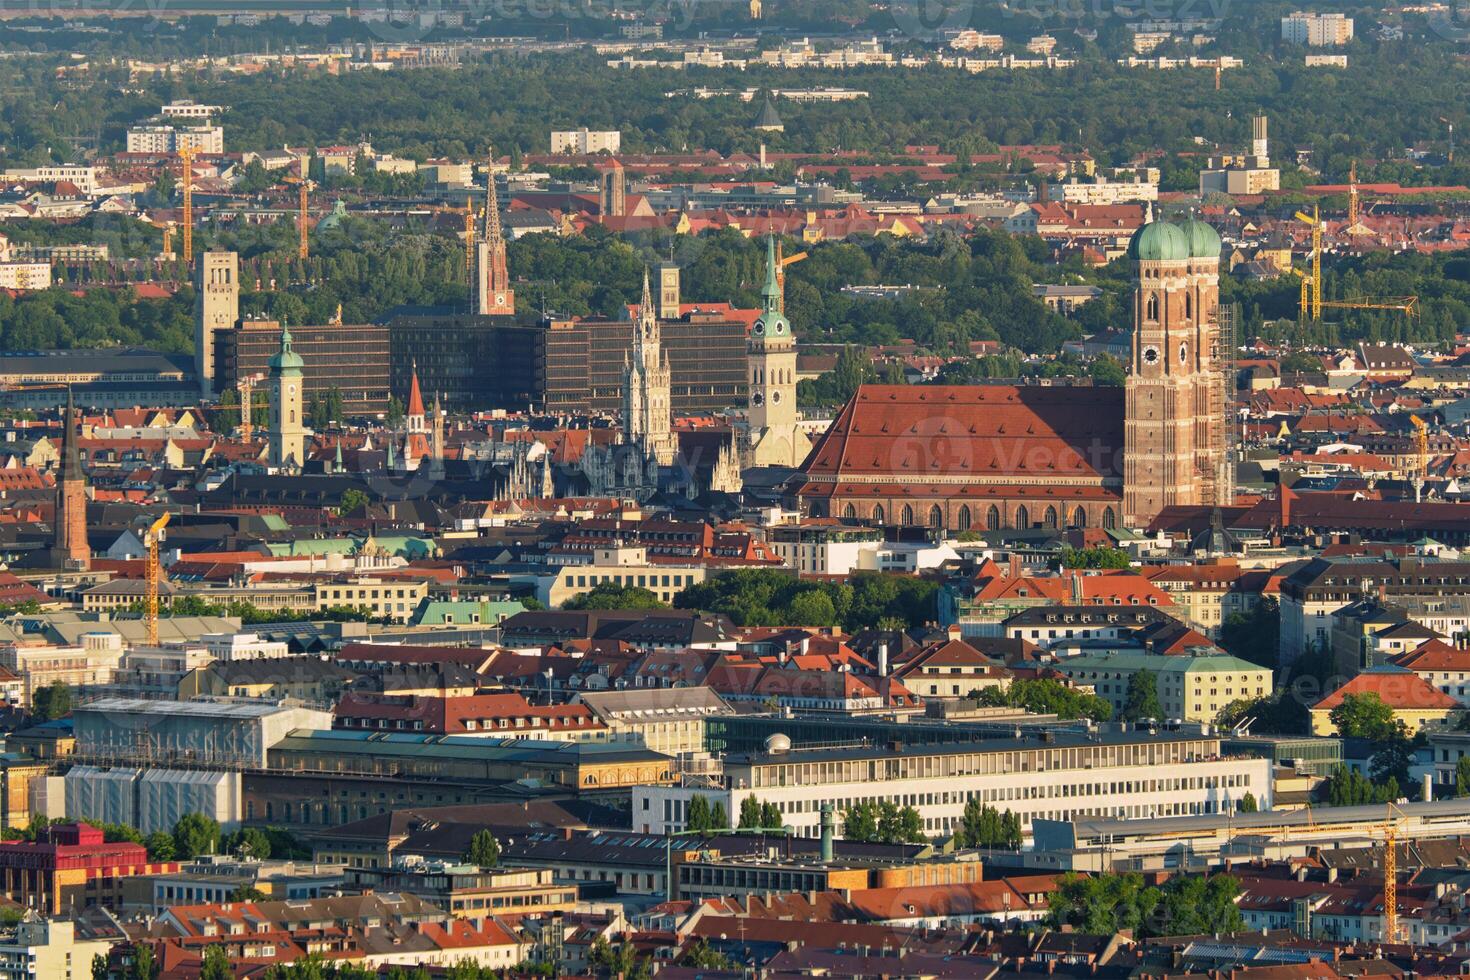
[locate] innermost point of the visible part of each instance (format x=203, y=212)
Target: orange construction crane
x=781, y=263
x=153, y=536
x=303, y=192
x=186, y=154
x=246, y=386
x=1391, y=874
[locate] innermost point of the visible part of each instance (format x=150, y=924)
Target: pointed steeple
x=646, y=310
x=71, y=450
x=415, y=396
x=337, y=465
x=490, y=220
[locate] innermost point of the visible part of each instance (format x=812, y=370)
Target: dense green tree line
x=766, y=597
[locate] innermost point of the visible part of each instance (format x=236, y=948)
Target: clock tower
x=288, y=429
x=1175, y=452
x=774, y=439
x=493, y=295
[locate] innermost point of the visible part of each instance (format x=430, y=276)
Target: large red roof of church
x=907, y=433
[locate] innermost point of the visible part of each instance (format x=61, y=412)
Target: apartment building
x=394, y=599
x=1317, y=30
x=171, y=139
x=1115, y=773
x=618, y=564
x=1190, y=688
x=1314, y=596
x=585, y=142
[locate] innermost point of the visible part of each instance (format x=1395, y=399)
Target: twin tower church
x=945, y=456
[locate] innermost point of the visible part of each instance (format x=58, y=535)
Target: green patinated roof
x=435, y=611
x=1158, y=663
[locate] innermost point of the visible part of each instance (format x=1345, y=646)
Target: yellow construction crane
x=1391, y=874
x=186, y=154
x=1452, y=137
x=469, y=239
x=153, y=537
x=781, y=263
x=1310, y=305
x=246, y=387
x=1419, y=470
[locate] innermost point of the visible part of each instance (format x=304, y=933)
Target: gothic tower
x=217, y=307
x=493, y=295
x=646, y=401
x=288, y=429
x=1174, y=448
x=774, y=439
x=71, y=547
x=613, y=199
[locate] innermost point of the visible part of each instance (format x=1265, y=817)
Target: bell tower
x=775, y=439
x=288, y=428
x=1161, y=425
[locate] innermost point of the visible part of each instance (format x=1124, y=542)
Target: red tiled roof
x=1399, y=689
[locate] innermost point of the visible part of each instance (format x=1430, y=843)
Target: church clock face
x=779, y=328
x=499, y=299
x=758, y=329
x=775, y=398
x=1183, y=353
x=757, y=399
x=1150, y=355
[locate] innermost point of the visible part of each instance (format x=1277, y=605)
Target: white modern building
x=1118, y=774
x=585, y=142
x=186, y=109
x=170, y=139
x=1317, y=30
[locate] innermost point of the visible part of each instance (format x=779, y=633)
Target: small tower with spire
x=436, y=445
x=287, y=439
x=774, y=437
x=71, y=547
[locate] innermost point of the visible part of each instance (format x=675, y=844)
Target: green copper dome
x=1204, y=241
x=1159, y=241
x=286, y=360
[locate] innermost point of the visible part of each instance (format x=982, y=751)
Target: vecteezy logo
x=926, y=20
x=400, y=21
x=1452, y=22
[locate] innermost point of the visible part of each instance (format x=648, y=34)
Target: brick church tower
x=1175, y=435
x=71, y=549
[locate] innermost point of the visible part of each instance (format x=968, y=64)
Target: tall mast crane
x=1452, y=137
x=246, y=385
x=186, y=155
x=1391, y=874
x=1310, y=304
x=469, y=239
x=153, y=536
x=1419, y=470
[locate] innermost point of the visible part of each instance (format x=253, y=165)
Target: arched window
x=1079, y=518
x=962, y=519
x=936, y=516
x=878, y=514
x=992, y=518
x=849, y=511
x=1151, y=307
x=1188, y=306
x=819, y=508
x=908, y=515
x=1050, y=518
x=1109, y=520
x=1023, y=517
